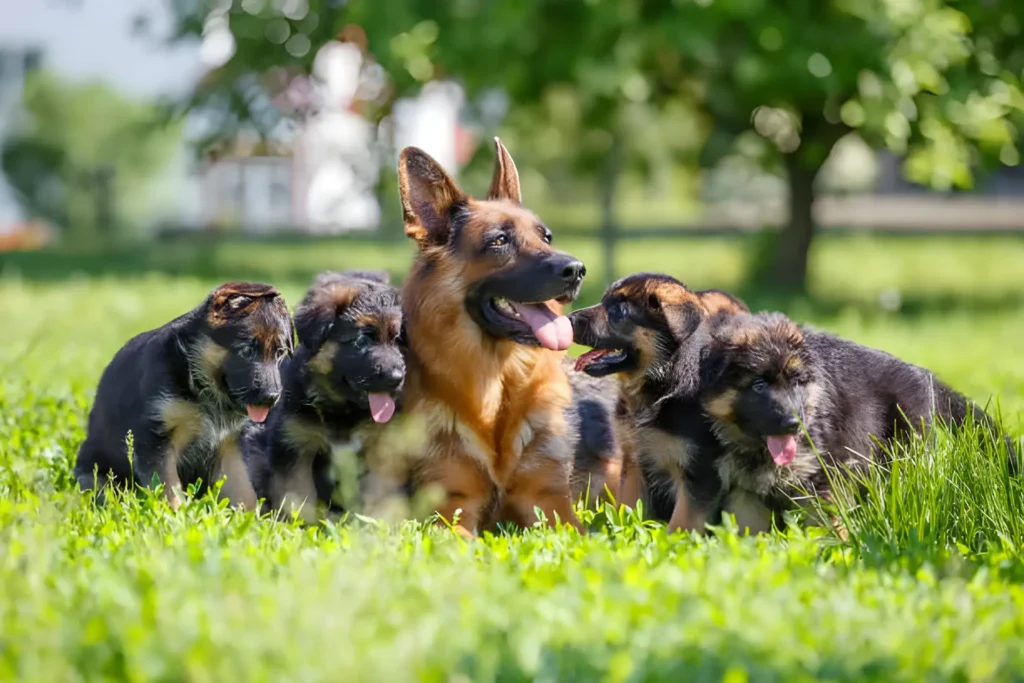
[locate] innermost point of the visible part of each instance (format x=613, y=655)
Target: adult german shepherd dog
x=346, y=375
x=483, y=311
x=183, y=391
x=654, y=333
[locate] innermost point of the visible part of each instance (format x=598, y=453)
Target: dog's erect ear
x=505, y=183
x=428, y=196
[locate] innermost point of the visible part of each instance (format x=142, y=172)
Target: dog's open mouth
x=552, y=330
x=782, y=448
x=257, y=413
x=600, y=362
x=382, y=407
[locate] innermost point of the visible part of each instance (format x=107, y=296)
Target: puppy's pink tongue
x=553, y=331
x=782, y=448
x=382, y=407
x=257, y=413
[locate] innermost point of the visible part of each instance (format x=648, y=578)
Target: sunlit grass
x=928, y=586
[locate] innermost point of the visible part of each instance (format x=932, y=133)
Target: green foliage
x=929, y=586
x=603, y=88
x=85, y=157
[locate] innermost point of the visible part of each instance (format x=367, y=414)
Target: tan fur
x=721, y=407
x=237, y=488
x=631, y=489
x=718, y=302
x=388, y=327
x=505, y=181
x=211, y=357
x=304, y=436
x=223, y=308
x=323, y=361
x=183, y=423
x=297, y=492
x=494, y=410
x=751, y=515
x=684, y=517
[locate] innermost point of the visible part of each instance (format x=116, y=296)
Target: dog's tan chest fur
x=200, y=438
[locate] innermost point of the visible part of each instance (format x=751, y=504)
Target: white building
x=325, y=180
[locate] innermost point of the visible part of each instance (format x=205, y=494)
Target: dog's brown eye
x=653, y=302
x=499, y=241
x=239, y=301
x=759, y=385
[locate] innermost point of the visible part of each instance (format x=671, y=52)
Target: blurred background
x=853, y=162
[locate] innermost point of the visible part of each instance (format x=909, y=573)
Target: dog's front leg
x=237, y=487
x=541, y=482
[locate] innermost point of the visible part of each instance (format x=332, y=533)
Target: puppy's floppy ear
x=505, y=182
x=428, y=196
x=683, y=319
x=314, y=319
x=687, y=370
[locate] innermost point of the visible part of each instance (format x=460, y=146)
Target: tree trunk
x=789, y=268
x=608, y=184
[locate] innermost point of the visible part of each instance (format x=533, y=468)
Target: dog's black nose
x=790, y=424
x=574, y=271
x=396, y=376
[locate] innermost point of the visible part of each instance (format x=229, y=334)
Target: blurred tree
x=784, y=82
x=609, y=83
x=84, y=157
x=573, y=73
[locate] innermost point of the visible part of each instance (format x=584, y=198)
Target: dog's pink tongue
x=552, y=331
x=257, y=413
x=382, y=407
x=782, y=448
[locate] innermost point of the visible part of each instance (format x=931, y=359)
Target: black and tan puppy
x=347, y=372
x=653, y=332
x=597, y=463
x=769, y=384
x=183, y=391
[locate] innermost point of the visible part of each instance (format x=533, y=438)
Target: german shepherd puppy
x=483, y=306
x=653, y=332
x=347, y=373
x=183, y=391
x=597, y=463
x=767, y=377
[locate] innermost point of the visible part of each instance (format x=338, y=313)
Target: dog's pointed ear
x=505, y=183
x=428, y=196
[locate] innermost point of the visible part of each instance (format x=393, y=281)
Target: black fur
x=660, y=333
x=349, y=329
x=766, y=376
x=597, y=460
x=182, y=390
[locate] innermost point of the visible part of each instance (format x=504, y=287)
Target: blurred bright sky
x=87, y=39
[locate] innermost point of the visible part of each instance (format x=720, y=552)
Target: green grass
x=929, y=586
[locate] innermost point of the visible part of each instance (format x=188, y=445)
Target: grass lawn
x=930, y=585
